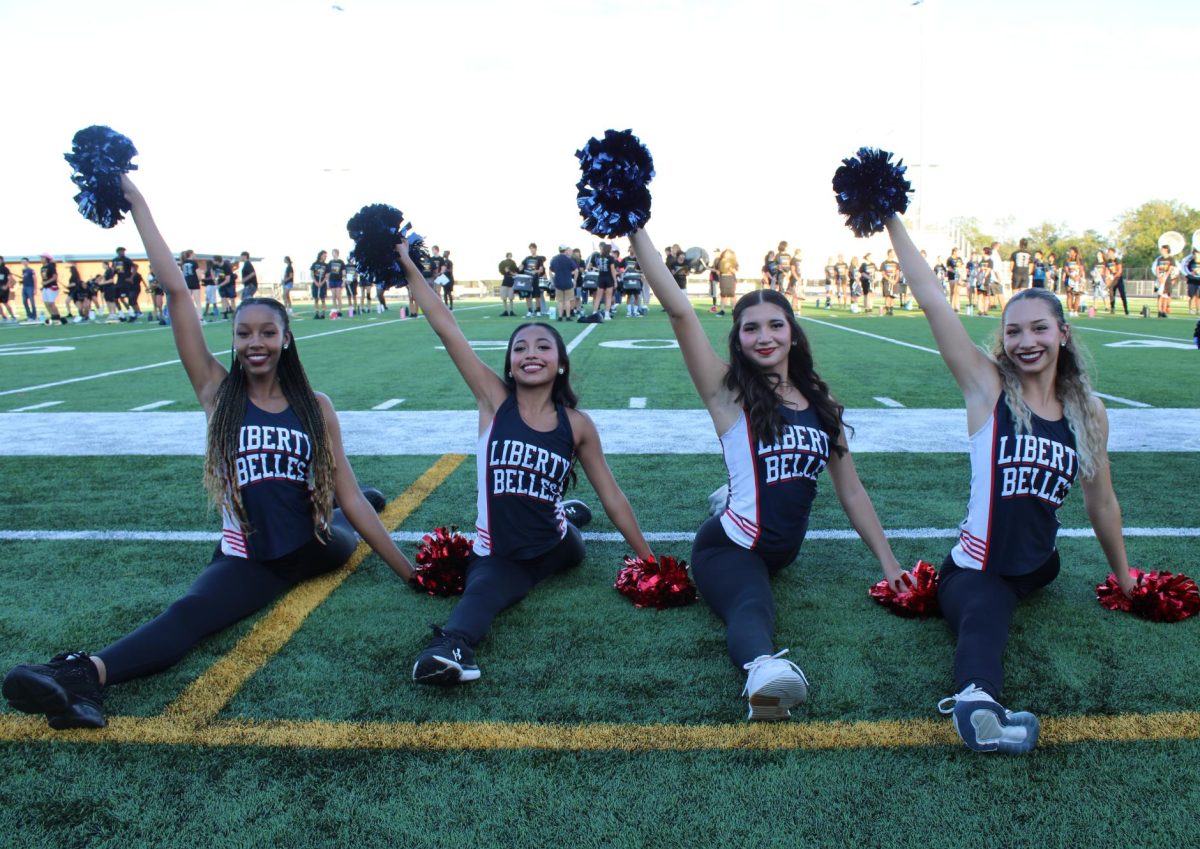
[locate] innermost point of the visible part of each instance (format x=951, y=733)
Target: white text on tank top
x=771, y=487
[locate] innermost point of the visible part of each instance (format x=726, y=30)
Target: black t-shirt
x=248, y=273
x=632, y=266
x=891, y=269
x=49, y=275
x=601, y=263
x=123, y=266
x=1191, y=267
x=319, y=270
x=437, y=264
x=1021, y=261
x=507, y=269
x=534, y=264
x=953, y=267
x=866, y=273
x=5, y=274
x=189, y=271
x=448, y=268
x=336, y=269
x=289, y=273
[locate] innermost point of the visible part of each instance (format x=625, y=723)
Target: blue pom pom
x=98, y=157
x=376, y=230
x=870, y=189
x=613, y=198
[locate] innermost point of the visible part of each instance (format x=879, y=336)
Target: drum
x=523, y=284
x=631, y=282
x=591, y=279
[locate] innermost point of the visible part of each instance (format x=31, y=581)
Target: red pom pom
x=1158, y=596
x=920, y=599
x=662, y=582
x=441, y=567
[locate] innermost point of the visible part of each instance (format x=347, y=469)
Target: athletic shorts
x=109, y=290
x=210, y=293
x=49, y=296
x=728, y=284
x=157, y=290
x=1020, y=278
x=506, y=293
x=352, y=287
x=193, y=284
x=605, y=281
x=335, y=284
x=4, y=293
x=287, y=287
x=1193, y=289
x=866, y=286
x=319, y=291
x=887, y=289
x=229, y=290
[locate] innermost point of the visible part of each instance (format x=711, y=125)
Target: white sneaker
x=985, y=726
x=774, y=686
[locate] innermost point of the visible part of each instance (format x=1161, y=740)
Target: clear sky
x=264, y=125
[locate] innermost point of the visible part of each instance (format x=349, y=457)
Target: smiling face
x=533, y=356
x=258, y=339
x=1033, y=335
x=765, y=336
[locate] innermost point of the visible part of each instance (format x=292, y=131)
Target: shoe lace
x=970, y=693
x=767, y=658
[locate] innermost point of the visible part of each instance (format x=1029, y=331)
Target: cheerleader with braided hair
x=1035, y=427
x=274, y=466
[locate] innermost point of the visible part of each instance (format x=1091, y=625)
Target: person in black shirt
x=123, y=271
x=50, y=289
x=1019, y=262
x=190, y=268
x=320, y=271
x=6, y=282
x=535, y=266
x=507, y=269
x=226, y=285
x=337, y=271
x=1114, y=278
x=249, y=277
x=289, y=281
x=1191, y=271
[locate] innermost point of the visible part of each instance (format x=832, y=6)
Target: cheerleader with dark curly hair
x=274, y=466
x=779, y=428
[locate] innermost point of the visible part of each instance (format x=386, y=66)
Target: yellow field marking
x=485, y=736
x=207, y=695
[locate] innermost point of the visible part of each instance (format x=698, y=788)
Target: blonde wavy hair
x=1071, y=385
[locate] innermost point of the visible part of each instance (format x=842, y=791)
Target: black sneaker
x=578, y=513
x=376, y=498
x=67, y=690
x=445, y=660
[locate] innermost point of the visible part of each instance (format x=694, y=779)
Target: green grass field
x=594, y=724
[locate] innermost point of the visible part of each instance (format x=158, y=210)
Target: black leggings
x=495, y=584
x=1118, y=286
x=979, y=607
x=229, y=589
x=736, y=583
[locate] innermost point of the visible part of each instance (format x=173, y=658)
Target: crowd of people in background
x=570, y=286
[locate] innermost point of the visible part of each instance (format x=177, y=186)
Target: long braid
x=224, y=427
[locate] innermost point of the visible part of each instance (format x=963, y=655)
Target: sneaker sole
x=767, y=709
x=992, y=718
x=442, y=671
x=32, y=692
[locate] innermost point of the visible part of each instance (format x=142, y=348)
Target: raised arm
x=612, y=498
x=975, y=374
x=487, y=387
x=203, y=370
x=705, y=367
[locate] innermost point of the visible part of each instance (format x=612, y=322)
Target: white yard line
x=147, y=407
x=41, y=406
x=637, y=403
x=889, y=402
x=651, y=536
x=1120, y=400
x=574, y=343
x=388, y=404
x=624, y=431
x=1127, y=333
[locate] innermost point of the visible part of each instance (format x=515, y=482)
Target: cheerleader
x=530, y=436
x=1073, y=275
x=320, y=273
x=1035, y=427
x=1165, y=273
x=954, y=277
x=274, y=465
x=779, y=427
